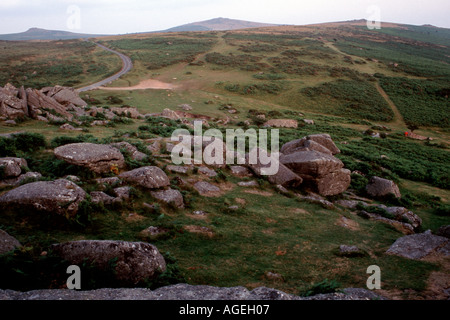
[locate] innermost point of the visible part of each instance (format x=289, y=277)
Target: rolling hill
x=43, y=34
x=218, y=24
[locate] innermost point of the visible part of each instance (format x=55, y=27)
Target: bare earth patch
x=145, y=84
x=259, y=192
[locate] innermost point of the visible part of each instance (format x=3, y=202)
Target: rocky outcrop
x=41, y=104
x=7, y=242
x=379, y=187
x=183, y=291
x=64, y=95
x=61, y=197
x=418, y=246
x=306, y=143
x=99, y=158
x=284, y=176
x=135, y=262
x=312, y=158
x=148, y=177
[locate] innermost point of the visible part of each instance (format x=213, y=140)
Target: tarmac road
x=127, y=66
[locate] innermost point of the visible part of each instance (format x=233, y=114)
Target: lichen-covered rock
x=150, y=177
x=334, y=183
x=206, y=188
x=135, y=262
x=311, y=142
x=379, y=187
x=99, y=158
x=419, y=245
x=311, y=164
x=7, y=242
x=169, y=197
x=12, y=167
x=61, y=197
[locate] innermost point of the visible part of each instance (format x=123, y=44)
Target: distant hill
x=42, y=34
x=218, y=24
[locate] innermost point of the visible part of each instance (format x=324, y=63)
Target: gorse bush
x=25, y=142
x=353, y=99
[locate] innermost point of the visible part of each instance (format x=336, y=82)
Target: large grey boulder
x=61, y=197
x=170, y=197
x=135, y=261
x=311, y=164
x=417, y=246
x=284, y=176
x=12, y=106
x=65, y=96
x=99, y=158
x=334, y=183
x=7, y=242
x=379, y=187
x=150, y=177
x=184, y=291
x=312, y=158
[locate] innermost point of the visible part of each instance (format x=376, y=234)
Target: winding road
x=127, y=65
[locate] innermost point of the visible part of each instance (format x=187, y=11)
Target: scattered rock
x=200, y=230
x=207, y=189
x=281, y=123
x=134, y=153
x=403, y=227
x=12, y=167
x=178, y=169
x=99, y=158
x=148, y=177
x=99, y=197
x=123, y=193
x=348, y=223
x=26, y=177
x=379, y=187
x=7, y=242
x=61, y=197
x=251, y=183
x=69, y=127
x=240, y=171
x=417, y=246
x=170, y=197
x=272, y=276
x=136, y=261
x=307, y=121
x=350, y=251
x=107, y=181
x=152, y=233
x=207, y=171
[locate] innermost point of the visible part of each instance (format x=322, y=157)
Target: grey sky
x=128, y=16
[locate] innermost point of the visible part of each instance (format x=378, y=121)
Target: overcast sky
x=128, y=16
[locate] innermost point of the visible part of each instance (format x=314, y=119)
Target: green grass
x=70, y=63
x=421, y=102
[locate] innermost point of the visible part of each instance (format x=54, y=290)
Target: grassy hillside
x=349, y=80
x=71, y=63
